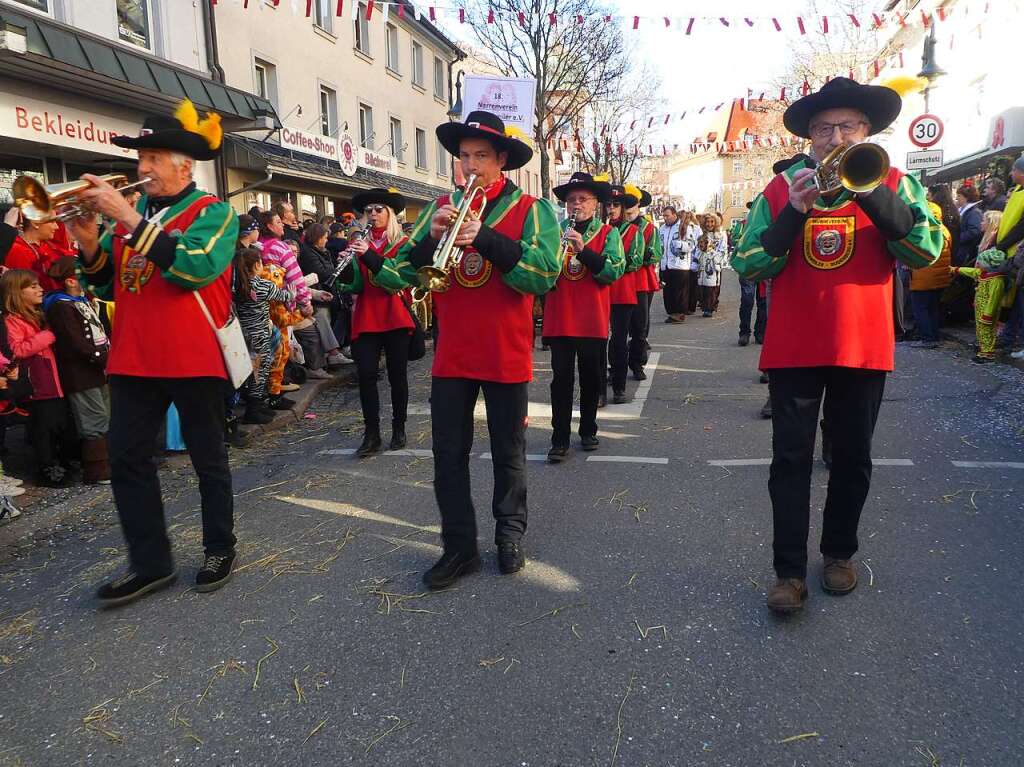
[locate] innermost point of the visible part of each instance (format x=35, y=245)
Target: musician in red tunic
x=623, y=290
x=578, y=310
x=485, y=336
x=648, y=280
x=381, y=320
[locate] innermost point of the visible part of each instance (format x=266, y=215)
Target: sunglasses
x=375, y=208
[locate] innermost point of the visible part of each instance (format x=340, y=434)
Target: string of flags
x=625, y=149
x=687, y=25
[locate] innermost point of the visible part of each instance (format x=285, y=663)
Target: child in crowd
x=9, y=394
x=81, y=351
x=989, y=292
x=283, y=316
x=253, y=295
x=32, y=345
x=990, y=229
x=713, y=252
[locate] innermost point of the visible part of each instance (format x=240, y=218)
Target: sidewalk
x=963, y=335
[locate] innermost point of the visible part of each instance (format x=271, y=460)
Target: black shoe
x=766, y=411
x=619, y=397
x=758, y=339
x=130, y=587
x=764, y=378
x=215, y=572
x=398, y=439
x=256, y=411
x=639, y=374
x=54, y=475
x=602, y=400
x=450, y=567
x=234, y=436
x=558, y=453
x=281, y=402
x=510, y=558
x=371, y=443
x=744, y=339
x=590, y=443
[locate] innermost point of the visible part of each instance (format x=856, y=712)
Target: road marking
x=408, y=453
x=892, y=462
x=988, y=464
x=742, y=462
x=529, y=457
x=625, y=459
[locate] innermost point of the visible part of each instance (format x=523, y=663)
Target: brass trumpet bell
x=858, y=168
x=40, y=203
x=433, y=279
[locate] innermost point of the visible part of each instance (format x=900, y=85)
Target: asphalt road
x=637, y=635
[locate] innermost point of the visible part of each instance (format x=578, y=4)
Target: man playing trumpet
x=485, y=335
x=830, y=330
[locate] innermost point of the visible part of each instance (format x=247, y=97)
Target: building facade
x=358, y=97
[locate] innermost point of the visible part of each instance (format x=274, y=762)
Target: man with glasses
x=830, y=330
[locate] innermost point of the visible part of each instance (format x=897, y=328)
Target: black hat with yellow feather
x=379, y=196
x=183, y=132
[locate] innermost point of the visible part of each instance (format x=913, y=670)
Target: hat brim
x=393, y=200
x=645, y=198
x=183, y=141
x=451, y=134
x=602, y=190
x=881, y=105
x=625, y=200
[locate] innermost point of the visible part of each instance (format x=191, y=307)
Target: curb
x=966, y=340
x=303, y=397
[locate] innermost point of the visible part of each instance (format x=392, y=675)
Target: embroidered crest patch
x=828, y=241
x=473, y=270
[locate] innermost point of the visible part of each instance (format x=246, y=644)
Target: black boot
x=281, y=402
x=450, y=567
x=398, y=440
x=371, y=442
x=256, y=411
x=234, y=436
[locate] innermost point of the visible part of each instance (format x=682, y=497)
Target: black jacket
x=313, y=260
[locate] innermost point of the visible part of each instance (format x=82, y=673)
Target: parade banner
x=512, y=99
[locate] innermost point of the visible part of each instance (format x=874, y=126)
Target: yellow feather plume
x=392, y=190
x=209, y=128
x=905, y=85
x=512, y=131
x=633, y=191
x=602, y=178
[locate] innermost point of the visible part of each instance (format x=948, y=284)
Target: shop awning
x=267, y=158
x=972, y=164
x=63, y=57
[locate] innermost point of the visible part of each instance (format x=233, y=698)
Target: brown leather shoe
x=839, y=576
x=787, y=595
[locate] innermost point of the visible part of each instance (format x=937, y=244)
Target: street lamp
x=930, y=70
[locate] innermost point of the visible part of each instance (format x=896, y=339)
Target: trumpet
x=858, y=168
x=346, y=256
x=41, y=203
x=436, y=276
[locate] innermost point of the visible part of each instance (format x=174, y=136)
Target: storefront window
x=12, y=166
x=133, y=22
x=39, y=5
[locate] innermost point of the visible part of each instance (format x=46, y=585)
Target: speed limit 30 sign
x=926, y=130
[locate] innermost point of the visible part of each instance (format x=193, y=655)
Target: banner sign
x=512, y=99
x=309, y=143
x=59, y=125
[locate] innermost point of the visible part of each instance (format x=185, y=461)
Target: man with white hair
x=166, y=264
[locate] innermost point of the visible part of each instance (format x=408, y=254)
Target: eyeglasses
x=824, y=130
x=376, y=208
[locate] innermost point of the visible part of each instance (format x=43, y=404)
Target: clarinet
x=563, y=246
x=348, y=254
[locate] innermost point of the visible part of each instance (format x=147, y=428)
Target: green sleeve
x=656, y=248
x=750, y=260
x=538, y=268
x=398, y=273
x=205, y=249
x=635, y=255
x=922, y=246
x=356, y=285
x=99, y=276
x=614, y=258
x=971, y=272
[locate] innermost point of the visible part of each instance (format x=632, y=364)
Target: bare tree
x=574, y=64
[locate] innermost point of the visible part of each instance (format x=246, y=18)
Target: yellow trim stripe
x=145, y=241
x=97, y=265
x=213, y=240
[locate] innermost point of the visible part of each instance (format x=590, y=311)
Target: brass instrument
x=858, y=168
x=40, y=203
x=437, y=276
x=346, y=256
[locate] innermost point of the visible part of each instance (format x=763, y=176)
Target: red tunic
x=377, y=310
x=37, y=259
x=579, y=306
x=647, y=281
x=160, y=331
x=485, y=328
x=831, y=305
x=623, y=290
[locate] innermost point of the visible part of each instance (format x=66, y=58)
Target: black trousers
x=690, y=292
x=852, y=399
x=638, y=331
x=451, y=413
x=47, y=427
x=138, y=407
x=618, y=355
x=647, y=322
x=565, y=354
x=675, y=290
x=366, y=351
x=748, y=298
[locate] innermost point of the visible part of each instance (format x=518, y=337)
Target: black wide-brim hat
x=181, y=132
x=390, y=197
x=881, y=105
x=486, y=125
x=645, y=198
x=621, y=196
x=602, y=190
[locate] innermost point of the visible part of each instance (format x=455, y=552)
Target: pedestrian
x=830, y=332
x=645, y=280
x=713, y=255
x=1008, y=239
x=927, y=285
x=81, y=351
x=751, y=294
x=486, y=335
x=623, y=290
x=675, y=268
x=691, y=290
x=578, y=311
x=382, y=321
x=989, y=294
x=276, y=251
x=941, y=195
x=291, y=228
x=970, y=226
x=993, y=194
x=314, y=258
x=36, y=248
x=31, y=342
x=167, y=266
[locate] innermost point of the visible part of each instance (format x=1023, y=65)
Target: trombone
x=436, y=276
x=41, y=203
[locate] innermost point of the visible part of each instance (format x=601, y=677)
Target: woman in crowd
x=381, y=320
x=314, y=258
x=277, y=252
x=32, y=345
x=36, y=248
x=713, y=252
x=941, y=195
x=969, y=201
x=927, y=285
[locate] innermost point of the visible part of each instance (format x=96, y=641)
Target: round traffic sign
x=926, y=130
